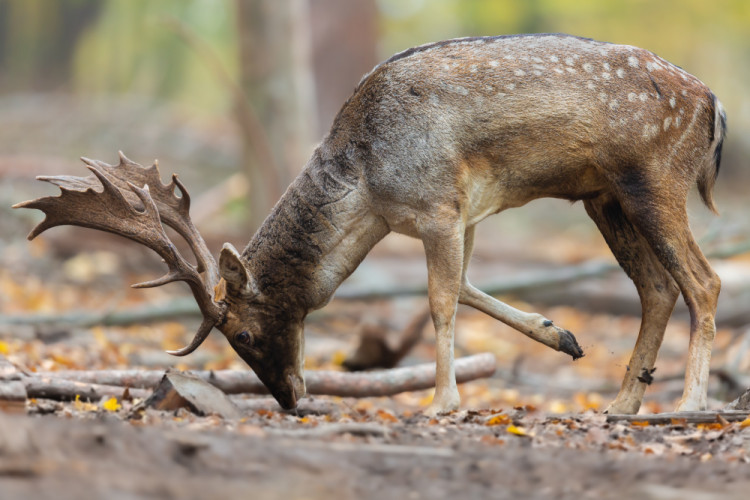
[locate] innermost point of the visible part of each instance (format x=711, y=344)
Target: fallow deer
x=431, y=142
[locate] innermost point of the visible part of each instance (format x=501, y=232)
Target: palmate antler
x=134, y=203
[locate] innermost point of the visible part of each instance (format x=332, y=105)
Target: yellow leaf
x=338, y=358
x=639, y=423
x=745, y=423
x=500, y=419
x=518, y=431
x=111, y=404
x=4, y=348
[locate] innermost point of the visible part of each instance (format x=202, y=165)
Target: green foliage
x=133, y=48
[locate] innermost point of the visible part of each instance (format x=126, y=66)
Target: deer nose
x=298, y=386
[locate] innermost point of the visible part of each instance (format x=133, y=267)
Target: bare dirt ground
x=272, y=455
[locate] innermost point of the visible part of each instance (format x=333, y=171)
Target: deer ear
x=233, y=270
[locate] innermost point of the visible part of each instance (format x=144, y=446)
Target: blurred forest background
x=234, y=94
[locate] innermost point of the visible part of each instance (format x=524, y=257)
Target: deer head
x=130, y=200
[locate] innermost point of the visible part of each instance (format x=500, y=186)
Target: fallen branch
x=68, y=390
x=360, y=385
x=184, y=307
x=178, y=308
x=688, y=417
x=522, y=283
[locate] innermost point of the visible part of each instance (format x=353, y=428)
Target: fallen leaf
x=386, y=416
x=4, y=349
x=713, y=426
x=745, y=423
x=500, y=419
x=640, y=423
x=518, y=431
x=338, y=358
x=111, y=404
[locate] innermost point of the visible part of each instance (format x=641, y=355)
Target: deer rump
x=432, y=141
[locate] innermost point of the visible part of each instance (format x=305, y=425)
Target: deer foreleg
x=534, y=326
x=444, y=252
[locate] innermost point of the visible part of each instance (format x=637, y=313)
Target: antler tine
x=125, y=208
x=173, y=211
x=206, y=326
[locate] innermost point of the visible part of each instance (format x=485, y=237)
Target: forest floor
x=533, y=430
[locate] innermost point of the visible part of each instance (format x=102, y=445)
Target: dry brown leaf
x=500, y=419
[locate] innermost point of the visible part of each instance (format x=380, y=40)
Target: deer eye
x=244, y=338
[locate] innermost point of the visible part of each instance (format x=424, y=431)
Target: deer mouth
x=291, y=393
x=298, y=388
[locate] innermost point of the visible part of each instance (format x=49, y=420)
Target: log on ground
x=331, y=383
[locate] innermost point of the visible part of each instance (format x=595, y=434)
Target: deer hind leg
x=443, y=244
x=533, y=325
x=656, y=288
x=663, y=221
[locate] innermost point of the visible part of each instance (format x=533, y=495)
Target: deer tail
x=707, y=177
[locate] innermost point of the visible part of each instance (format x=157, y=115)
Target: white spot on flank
x=667, y=122
x=606, y=66
x=553, y=58
x=494, y=64
x=446, y=67
x=559, y=70
x=569, y=61
x=650, y=131
x=588, y=67
x=620, y=73
x=643, y=96
x=473, y=68
x=519, y=72
x=633, y=62
x=672, y=102
x=677, y=121
x=590, y=86
x=606, y=75
x=537, y=59
x=614, y=104
x=602, y=97
x=570, y=70
x=537, y=72
x=650, y=66
x=684, y=93
x=632, y=97
x=510, y=86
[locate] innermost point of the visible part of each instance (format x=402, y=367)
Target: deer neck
x=315, y=237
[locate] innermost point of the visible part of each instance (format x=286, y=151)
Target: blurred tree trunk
x=274, y=39
x=38, y=40
x=345, y=37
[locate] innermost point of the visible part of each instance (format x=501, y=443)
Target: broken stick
x=358, y=385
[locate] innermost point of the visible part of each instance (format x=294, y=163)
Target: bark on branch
x=65, y=385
